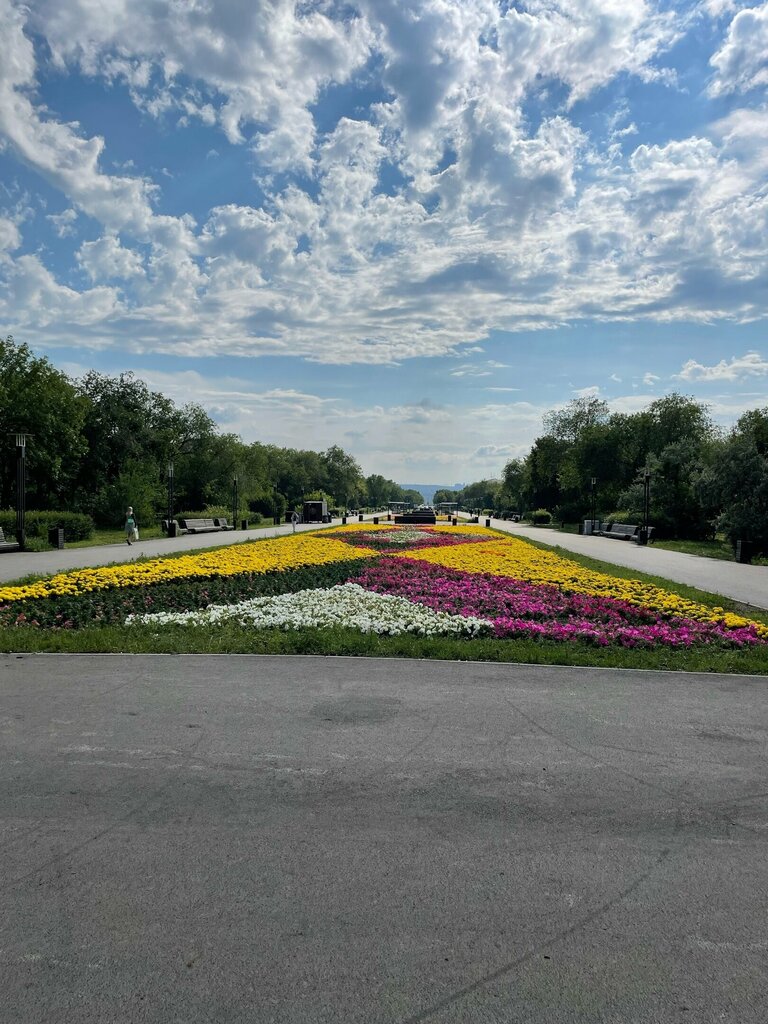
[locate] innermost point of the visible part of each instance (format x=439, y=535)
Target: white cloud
x=590, y=392
x=649, y=379
x=64, y=222
x=448, y=213
x=752, y=364
x=106, y=259
x=10, y=236
x=615, y=377
x=742, y=62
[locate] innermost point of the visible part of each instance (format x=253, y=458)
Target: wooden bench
x=623, y=531
x=203, y=525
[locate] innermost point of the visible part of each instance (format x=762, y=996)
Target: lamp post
x=21, y=487
x=646, y=504
x=170, y=493
x=592, y=482
x=235, y=502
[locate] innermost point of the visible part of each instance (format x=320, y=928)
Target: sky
x=407, y=227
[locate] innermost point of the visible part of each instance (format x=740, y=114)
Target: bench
x=623, y=531
x=7, y=545
x=204, y=525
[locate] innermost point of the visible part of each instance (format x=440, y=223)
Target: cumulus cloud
x=741, y=63
x=466, y=198
x=752, y=364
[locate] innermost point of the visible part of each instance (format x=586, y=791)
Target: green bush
x=541, y=517
x=77, y=526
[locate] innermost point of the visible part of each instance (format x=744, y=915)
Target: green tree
x=345, y=477
x=737, y=481
x=36, y=398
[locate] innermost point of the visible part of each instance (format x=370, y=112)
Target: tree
x=738, y=481
x=439, y=497
x=413, y=496
x=580, y=413
x=345, y=477
x=36, y=398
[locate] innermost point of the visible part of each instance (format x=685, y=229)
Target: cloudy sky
x=408, y=227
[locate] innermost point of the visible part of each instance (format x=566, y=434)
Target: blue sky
x=409, y=228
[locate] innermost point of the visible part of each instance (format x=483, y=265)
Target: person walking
x=131, y=526
x=294, y=520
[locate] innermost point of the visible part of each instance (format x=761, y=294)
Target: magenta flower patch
x=520, y=609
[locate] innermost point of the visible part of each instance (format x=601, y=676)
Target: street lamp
x=235, y=503
x=21, y=486
x=169, y=470
x=646, y=504
x=593, y=481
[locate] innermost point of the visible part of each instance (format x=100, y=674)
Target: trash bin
x=56, y=536
x=454, y=521
x=744, y=551
x=343, y=520
x=375, y=520
x=360, y=517
x=243, y=524
x=173, y=528
x=642, y=536
x=488, y=523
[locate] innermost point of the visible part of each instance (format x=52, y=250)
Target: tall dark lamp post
x=646, y=505
x=235, y=503
x=593, y=482
x=21, y=487
x=170, y=493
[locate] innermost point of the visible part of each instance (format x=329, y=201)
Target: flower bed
x=516, y=608
x=424, y=581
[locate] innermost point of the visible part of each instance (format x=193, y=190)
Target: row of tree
x=701, y=479
x=100, y=443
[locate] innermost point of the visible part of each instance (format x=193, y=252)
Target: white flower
x=345, y=605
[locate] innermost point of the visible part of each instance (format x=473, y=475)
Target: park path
x=745, y=583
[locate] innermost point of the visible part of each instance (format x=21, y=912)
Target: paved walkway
x=325, y=840
x=745, y=583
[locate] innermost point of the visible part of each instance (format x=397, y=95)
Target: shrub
x=77, y=526
x=541, y=517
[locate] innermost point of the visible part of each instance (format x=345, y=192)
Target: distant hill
x=428, y=490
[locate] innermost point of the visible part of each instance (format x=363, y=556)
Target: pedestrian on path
x=294, y=520
x=131, y=526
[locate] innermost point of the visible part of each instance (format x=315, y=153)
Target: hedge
x=77, y=525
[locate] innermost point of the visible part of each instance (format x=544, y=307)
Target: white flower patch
x=345, y=605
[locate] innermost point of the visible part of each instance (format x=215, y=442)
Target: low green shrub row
x=109, y=607
x=77, y=525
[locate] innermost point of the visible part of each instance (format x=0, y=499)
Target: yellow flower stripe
x=275, y=555
x=515, y=558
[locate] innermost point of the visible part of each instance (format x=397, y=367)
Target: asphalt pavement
x=318, y=840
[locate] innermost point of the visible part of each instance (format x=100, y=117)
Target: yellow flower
x=274, y=555
x=514, y=558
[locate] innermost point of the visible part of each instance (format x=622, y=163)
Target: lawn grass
x=231, y=638
x=154, y=532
